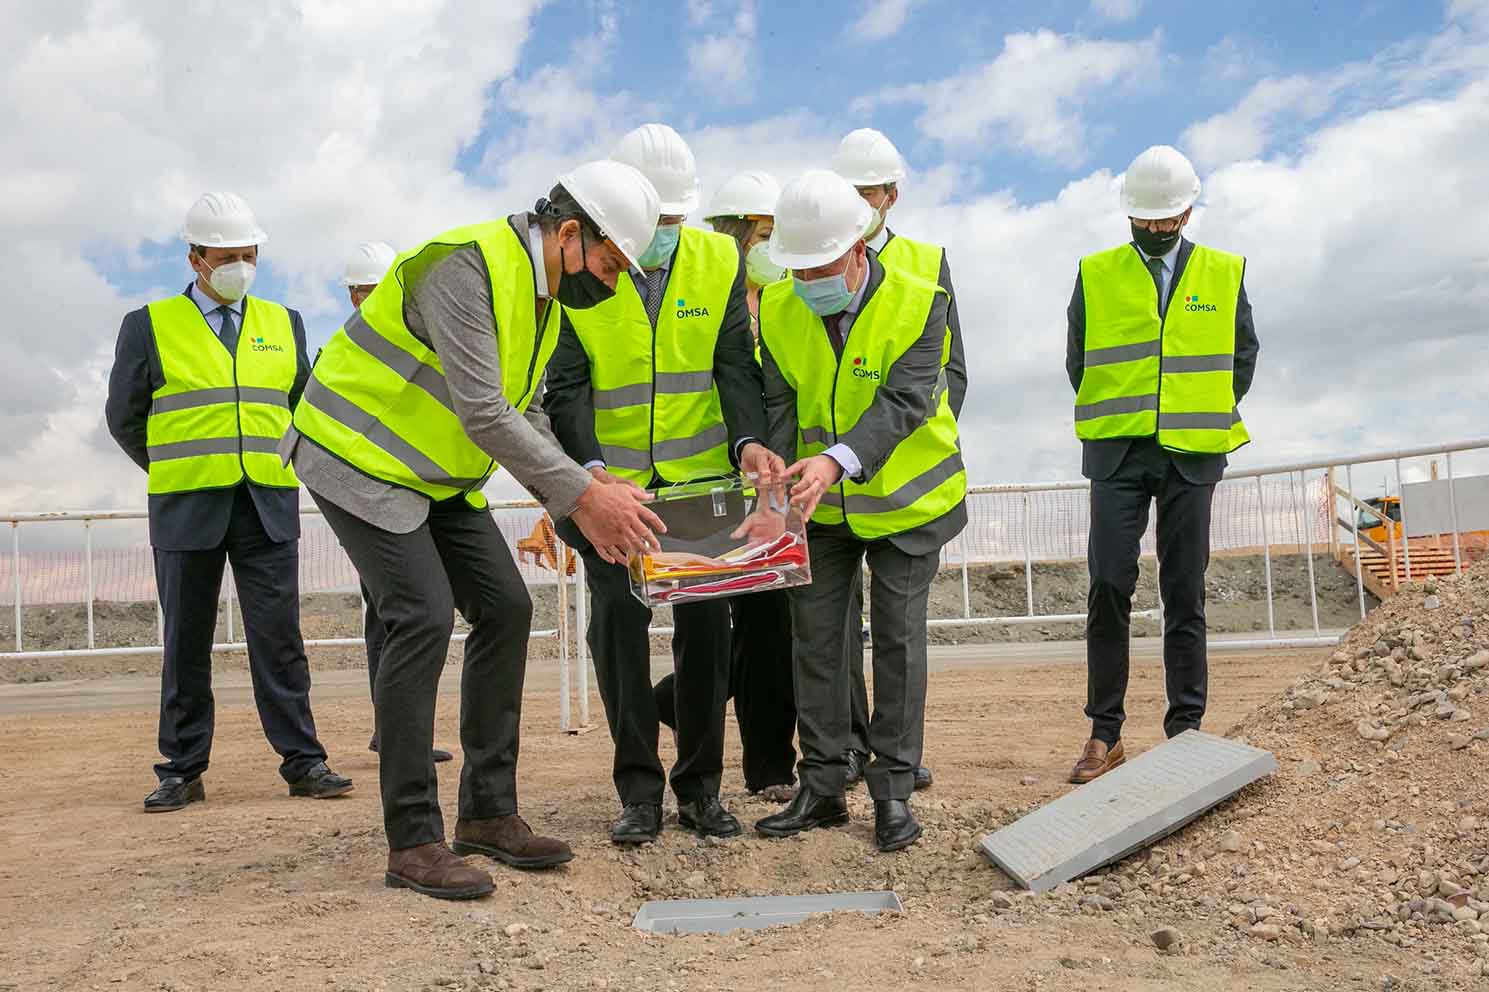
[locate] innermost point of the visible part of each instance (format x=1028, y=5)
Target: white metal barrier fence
x=1281, y=506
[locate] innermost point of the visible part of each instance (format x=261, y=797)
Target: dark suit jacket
x=901, y=404
x=1100, y=459
x=569, y=398
x=188, y=521
x=956, y=363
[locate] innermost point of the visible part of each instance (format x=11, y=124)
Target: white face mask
x=875, y=225
x=231, y=281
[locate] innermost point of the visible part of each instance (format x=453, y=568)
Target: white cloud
x=723, y=63
x=1247, y=129
x=1031, y=96
x=1117, y=11
x=880, y=19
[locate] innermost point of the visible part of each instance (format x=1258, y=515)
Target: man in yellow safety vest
x=1160, y=350
x=853, y=352
x=200, y=392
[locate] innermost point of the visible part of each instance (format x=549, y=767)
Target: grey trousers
x=823, y=614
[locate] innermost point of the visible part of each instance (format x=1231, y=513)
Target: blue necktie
x=228, y=333
x=1155, y=266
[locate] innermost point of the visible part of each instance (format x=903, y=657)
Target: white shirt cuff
x=597, y=463
x=844, y=456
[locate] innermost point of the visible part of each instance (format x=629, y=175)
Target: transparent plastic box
x=724, y=538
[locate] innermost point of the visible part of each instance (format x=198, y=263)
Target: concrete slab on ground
x=756, y=912
x=1126, y=809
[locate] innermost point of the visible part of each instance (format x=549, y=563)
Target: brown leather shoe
x=1096, y=761
x=433, y=870
x=510, y=840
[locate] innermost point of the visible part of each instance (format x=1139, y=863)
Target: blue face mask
x=663, y=244
x=825, y=296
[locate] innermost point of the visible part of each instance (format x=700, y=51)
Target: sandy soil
x=255, y=891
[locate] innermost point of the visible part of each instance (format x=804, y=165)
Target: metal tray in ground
x=755, y=912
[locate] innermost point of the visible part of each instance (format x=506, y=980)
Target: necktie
x=833, y=333
x=1155, y=268
x=228, y=333
x=654, y=281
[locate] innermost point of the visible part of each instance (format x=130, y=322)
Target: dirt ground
x=255, y=891
x=1236, y=587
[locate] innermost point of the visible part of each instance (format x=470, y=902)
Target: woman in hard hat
x=1160, y=349
x=852, y=352
x=437, y=377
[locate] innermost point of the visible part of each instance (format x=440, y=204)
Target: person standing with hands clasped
x=1161, y=349
x=852, y=351
x=437, y=377
x=201, y=389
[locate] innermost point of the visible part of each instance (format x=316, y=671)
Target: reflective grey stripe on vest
x=1199, y=363
x=938, y=392
x=684, y=382
x=631, y=458
x=1112, y=407
x=426, y=377
x=686, y=447
x=622, y=396
x=815, y=435
x=194, y=448
x=219, y=394
x=1123, y=353
x=911, y=491
x=261, y=445
x=359, y=421
x=1198, y=421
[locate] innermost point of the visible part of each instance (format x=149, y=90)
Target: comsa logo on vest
x=684, y=311
x=863, y=373
x=259, y=344
x=1193, y=303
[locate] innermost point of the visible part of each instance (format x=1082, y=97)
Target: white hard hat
x=664, y=158
x=867, y=158
x=368, y=264
x=620, y=200
x=747, y=194
x=1160, y=183
x=818, y=218
x=221, y=220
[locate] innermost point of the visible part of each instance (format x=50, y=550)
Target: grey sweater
x=450, y=311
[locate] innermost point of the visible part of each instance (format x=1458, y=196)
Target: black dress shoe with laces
x=895, y=827
x=175, y=793
x=923, y=778
x=708, y=818
x=321, y=783
x=638, y=823
x=806, y=812
x=857, y=762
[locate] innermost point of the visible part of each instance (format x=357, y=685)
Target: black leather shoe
x=638, y=823
x=321, y=783
x=806, y=812
x=438, y=754
x=857, y=762
x=895, y=827
x=923, y=778
x=708, y=818
x=175, y=793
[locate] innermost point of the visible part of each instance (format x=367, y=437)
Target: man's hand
x=763, y=466
x=602, y=474
x=612, y=517
x=819, y=473
x=762, y=526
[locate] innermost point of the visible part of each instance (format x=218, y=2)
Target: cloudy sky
x=1343, y=148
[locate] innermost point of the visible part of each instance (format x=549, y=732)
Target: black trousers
x=760, y=683
x=374, y=633
x=826, y=625
x=457, y=559
x=621, y=649
x=1119, y=516
x=267, y=576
